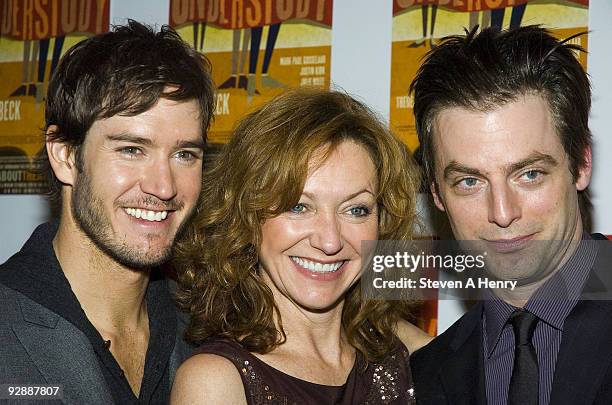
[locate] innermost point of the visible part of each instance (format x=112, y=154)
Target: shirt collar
x=36, y=273
x=496, y=314
x=551, y=303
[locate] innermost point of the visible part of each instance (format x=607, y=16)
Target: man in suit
x=502, y=120
x=84, y=307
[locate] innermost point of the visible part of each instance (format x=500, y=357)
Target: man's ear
x=61, y=157
x=584, y=172
x=436, y=196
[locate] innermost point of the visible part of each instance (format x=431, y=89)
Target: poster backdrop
x=33, y=36
x=419, y=24
x=257, y=49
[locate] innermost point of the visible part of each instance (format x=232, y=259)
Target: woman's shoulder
x=412, y=336
x=202, y=375
x=389, y=379
x=212, y=366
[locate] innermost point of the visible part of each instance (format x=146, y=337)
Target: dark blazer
x=450, y=369
x=40, y=347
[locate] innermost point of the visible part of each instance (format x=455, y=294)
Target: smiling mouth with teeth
x=147, y=215
x=317, y=267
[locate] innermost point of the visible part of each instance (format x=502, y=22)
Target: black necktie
x=525, y=376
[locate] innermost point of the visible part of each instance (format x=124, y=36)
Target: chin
x=141, y=258
x=320, y=303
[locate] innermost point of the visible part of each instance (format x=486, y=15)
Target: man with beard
x=84, y=307
x=502, y=119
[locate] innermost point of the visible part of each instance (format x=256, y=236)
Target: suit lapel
x=62, y=354
x=462, y=375
x=584, y=355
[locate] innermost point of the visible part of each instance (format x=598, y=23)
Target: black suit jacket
x=450, y=370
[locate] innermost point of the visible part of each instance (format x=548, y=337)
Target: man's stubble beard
x=88, y=212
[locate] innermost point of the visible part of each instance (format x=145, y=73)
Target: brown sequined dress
x=386, y=382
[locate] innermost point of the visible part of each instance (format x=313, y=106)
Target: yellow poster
x=418, y=25
x=257, y=48
x=33, y=36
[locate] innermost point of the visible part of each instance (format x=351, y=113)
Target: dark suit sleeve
x=425, y=365
x=449, y=370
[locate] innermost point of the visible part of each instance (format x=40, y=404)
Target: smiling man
x=84, y=307
x=502, y=119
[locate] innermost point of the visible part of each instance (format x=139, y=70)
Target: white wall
x=152, y=12
x=361, y=51
x=20, y=215
x=599, y=66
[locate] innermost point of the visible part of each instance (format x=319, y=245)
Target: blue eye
x=130, y=150
x=468, y=185
x=532, y=175
x=298, y=208
x=185, y=155
x=470, y=182
x=359, y=211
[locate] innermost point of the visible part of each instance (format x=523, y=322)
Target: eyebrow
x=454, y=167
x=130, y=138
x=535, y=157
x=192, y=144
x=349, y=197
x=139, y=140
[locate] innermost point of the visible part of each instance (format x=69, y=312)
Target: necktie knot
x=524, y=324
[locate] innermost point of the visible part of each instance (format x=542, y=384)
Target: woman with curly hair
x=270, y=271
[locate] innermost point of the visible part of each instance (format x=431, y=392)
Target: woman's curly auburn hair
x=260, y=174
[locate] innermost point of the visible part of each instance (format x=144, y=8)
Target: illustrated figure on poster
x=240, y=51
x=35, y=54
x=265, y=79
x=27, y=87
x=480, y=18
x=43, y=50
x=237, y=77
x=497, y=16
x=199, y=33
x=424, y=16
